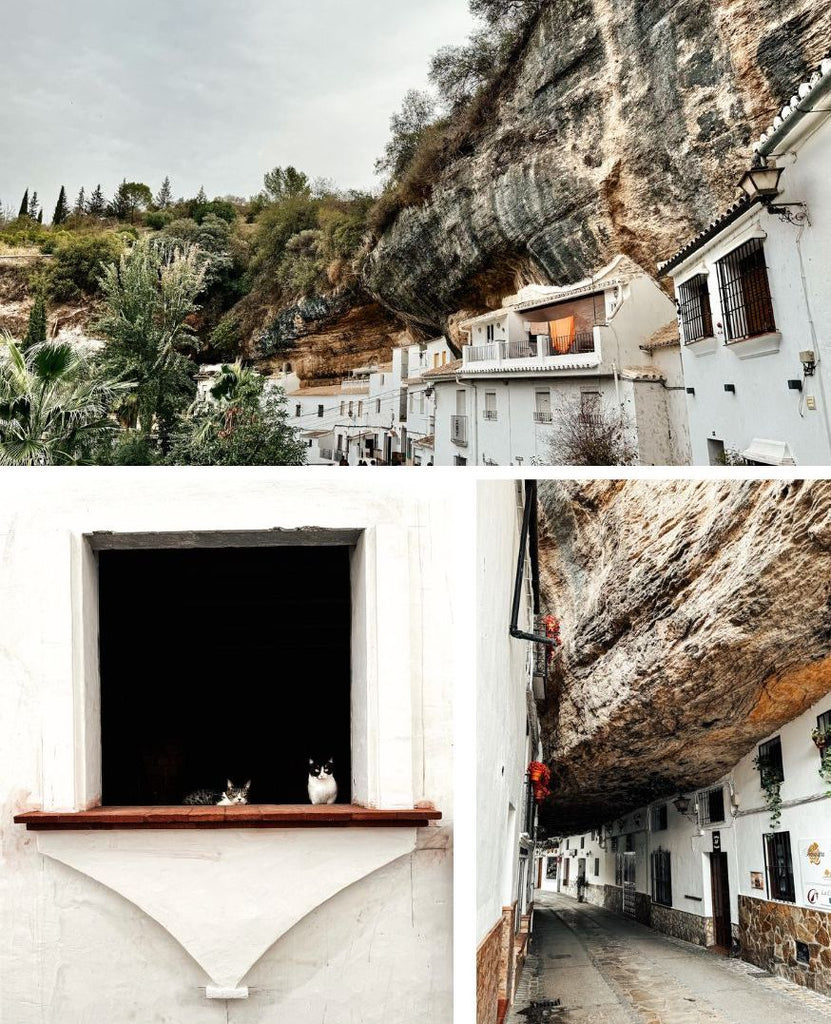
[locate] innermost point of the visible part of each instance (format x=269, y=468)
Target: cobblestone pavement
x=605, y=969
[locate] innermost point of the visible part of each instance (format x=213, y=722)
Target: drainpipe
x=530, y=537
x=814, y=337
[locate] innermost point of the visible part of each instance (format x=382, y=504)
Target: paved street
x=608, y=970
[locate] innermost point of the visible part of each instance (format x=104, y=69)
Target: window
x=779, y=866
x=770, y=760
x=351, y=410
x=745, y=292
x=661, y=878
x=542, y=403
x=824, y=722
x=619, y=869
x=167, y=720
x=659, y=818
x=490, y=332
x=694, y=306
x=711, y=806
x=630, y=843
x=590, y=403
x=343, y=408
x=551, y=868
x=377, y=405
x=566, y=843
x=582, y=842
x=297, y=409
x=614, y=844
x=320, y=412
x=596, y=867
x=360, y=408
x=490, y=405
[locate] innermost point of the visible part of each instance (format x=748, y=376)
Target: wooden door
x=720, y=877
x=630, y=903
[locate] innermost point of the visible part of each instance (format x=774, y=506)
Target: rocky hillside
x=696, y=621
x=623, y=126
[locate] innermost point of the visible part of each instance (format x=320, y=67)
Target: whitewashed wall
x=72, y=949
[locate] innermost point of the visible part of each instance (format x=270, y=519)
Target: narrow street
x=605, y=969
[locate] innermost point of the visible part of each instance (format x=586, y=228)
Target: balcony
x=458, y=430
x=491, y=414
x=535, y=349
x=544, y=417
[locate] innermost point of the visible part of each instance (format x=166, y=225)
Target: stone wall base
x=769, y=932
x=681, y=925
x=487, y=976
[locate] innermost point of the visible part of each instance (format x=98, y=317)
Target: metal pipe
x=529, y=532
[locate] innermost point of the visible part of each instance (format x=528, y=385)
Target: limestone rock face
x=623, y=127
x=696, y=620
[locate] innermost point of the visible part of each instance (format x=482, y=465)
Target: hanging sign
x=815, y=872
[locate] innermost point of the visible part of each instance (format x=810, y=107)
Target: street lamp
x=761, y=184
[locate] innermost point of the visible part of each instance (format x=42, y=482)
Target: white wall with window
x=753, y=296
x=279, y=917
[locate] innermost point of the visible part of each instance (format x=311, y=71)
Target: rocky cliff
x=696, y=621
x=622, y=126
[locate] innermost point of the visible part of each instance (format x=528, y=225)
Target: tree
x=77, y=262
x=588, y=434
x=149, y=296
x=80, y=207
x=53, y=406
x=131, y=197
x=407, y=127
x=33, y=206
x=40, y=215
x=164, y=197
x=97, y=203
x=61, y=209
x=283, y=184
x=459, y=72
x=244, y=424
x=24, y=206
x=201, y=197
x=36, y=333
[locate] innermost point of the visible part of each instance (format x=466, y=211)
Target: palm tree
x=53, y=406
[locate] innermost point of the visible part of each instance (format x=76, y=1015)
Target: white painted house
x=417, y=411
x=755, y=302
x=716, y=868
x=161, y=631
x=550, y=354
x=508, y=739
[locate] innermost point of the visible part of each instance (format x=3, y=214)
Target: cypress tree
x=202, y=197
x=97, y=203
x=165, y=196
x=40, y=215
x=61, y=209
x=81, y=203
x=36, y=333
x=33, y=206
x=24, y=206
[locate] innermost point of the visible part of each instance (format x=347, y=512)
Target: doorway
x=720, y=878
x=630, y=903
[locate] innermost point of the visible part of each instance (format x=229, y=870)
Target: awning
x=769, y=453
x=312, y=434
x=425, y=442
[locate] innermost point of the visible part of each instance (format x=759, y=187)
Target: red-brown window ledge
x=249, y=816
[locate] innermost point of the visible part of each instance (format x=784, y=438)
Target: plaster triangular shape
x=228, y=896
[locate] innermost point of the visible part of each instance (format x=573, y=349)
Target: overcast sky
x=212, y=93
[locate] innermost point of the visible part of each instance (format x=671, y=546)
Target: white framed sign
x=815, y=872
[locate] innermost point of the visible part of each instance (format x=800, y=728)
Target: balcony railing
x=458, y=430
x=539, y=348
x=543, y=417
x=490, y=414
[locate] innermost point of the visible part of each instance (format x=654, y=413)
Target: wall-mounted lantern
x=690, y=391
x=761, y=184
x=794, y=385
x=730, y=389
x=809, y=362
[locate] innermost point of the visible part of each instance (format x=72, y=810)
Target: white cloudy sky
x=210, y=93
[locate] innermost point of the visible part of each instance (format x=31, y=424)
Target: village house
x=755, y=303
x=601, y=347
x=743, y=864
x=417, y=409
x=119, y=902
x=511, y=678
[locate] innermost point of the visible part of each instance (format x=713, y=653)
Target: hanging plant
x=822, y=738
x=825, y=768
x=540, y=776
x=772, y=787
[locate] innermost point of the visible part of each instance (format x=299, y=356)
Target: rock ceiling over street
x=696, y=620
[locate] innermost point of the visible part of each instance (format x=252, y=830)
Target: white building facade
x=508, y=739
x=755, y=305
x=236, y=914
x=717, y=867
x=551, y=355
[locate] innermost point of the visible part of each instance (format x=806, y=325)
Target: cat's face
x=321, y=769
x=237, y=794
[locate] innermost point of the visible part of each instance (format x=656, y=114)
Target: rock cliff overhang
x=696, y=619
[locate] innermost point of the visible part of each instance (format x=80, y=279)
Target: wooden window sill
x=249, y=816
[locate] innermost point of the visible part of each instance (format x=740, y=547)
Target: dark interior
x=223, y=663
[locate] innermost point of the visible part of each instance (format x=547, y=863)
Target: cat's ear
x=331, y=760
x=311, y=762
x=230, y=784
x=247, y=786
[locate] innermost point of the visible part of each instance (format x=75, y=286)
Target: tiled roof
x=449, y=370
x=803, y=93
x=642, y=373
x=667, y=337
x=718, y=225
x=331, y=391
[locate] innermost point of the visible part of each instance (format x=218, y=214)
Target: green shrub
x=78, y=262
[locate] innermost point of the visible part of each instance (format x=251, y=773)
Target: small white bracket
x=215, y=992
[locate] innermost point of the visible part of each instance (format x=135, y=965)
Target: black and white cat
x=232, y=796
x=322, y=786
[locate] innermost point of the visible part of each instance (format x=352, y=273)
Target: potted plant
x=822, y=738
x=772, y=786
